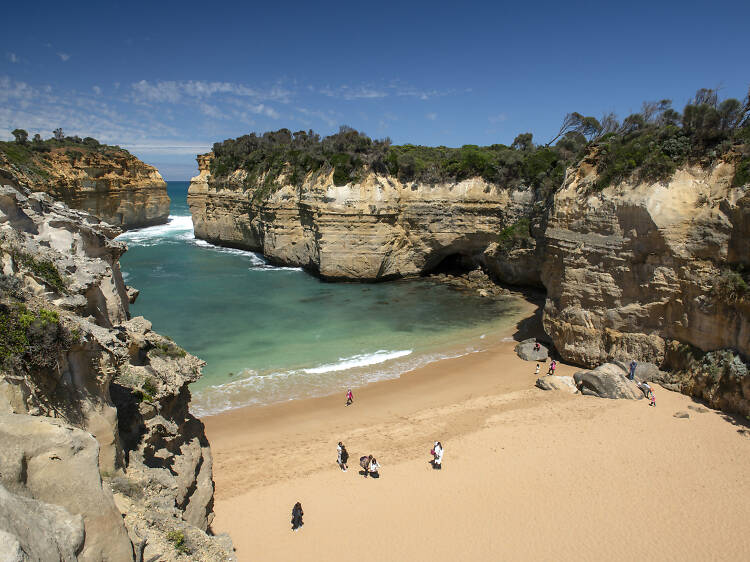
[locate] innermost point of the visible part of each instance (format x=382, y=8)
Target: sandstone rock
x=114, y=185
x=681, y=415
x=607, y=381
x=35, y=530
x=630, y=267
x=10, y=548
x=111, y=377
x=377, y=229
x=555, y=382
x=525, y=350
x=47, y=461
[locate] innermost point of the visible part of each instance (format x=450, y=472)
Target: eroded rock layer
x=97, y=445
x=109, y=183
x=631, y=267
x=377, y=229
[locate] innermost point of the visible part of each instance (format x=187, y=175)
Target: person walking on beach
x=437, y=455
x=653, y=398
x=537, y=369
x=633, y=365
x=342, y=456
x=297, y=514
x=349, y=397
x=552, y=367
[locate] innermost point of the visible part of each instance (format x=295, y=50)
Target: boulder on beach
x=525, y=350
x=607, y=381
x=554, y=382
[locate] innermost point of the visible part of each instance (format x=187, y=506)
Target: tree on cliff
x=21, y=136
x=59, y=134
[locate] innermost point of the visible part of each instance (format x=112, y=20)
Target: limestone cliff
x=376, y=229
x=635, y=265
x=100, y=458
x=105, y=181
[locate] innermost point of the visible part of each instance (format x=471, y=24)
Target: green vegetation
x=169, y=349
x=177, y=538
x=647, y=146
x=515, y=235
x=732, y=286
x=43, y=269
x=35, y=336
x=652, y=144
x=742, y=172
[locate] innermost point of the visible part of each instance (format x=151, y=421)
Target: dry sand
x=527, y=474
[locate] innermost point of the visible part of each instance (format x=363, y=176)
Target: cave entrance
x=453, y=264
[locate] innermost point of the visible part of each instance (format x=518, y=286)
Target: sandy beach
x=527, y=474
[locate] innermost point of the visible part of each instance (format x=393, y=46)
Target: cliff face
x=111, y=184
x=631, y=271
x=98, y=451
x=631, y=267
x=377, y=229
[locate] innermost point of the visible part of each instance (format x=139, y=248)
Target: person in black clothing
x=297, y=514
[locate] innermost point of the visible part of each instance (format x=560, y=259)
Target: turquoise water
x=270, y=334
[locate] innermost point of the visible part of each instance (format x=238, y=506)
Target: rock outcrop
x=105, y=181
x=607, y=381
x=555, y=382
x=84, y=391
x=527, y=351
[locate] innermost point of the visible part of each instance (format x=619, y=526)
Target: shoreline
x=526, y=313
x=527, y=473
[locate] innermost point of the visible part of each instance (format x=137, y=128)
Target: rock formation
x=607, y=381
x=107, y=182
x=377, y=229
x=628, y=270
x=633, y=266
x=527, y=351
x=555, y=382
x=97, y=445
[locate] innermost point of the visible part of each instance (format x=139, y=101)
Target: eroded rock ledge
x=98, y=451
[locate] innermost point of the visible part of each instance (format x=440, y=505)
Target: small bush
x=177, y=538
x=43, y=269
x=515, y=235
x=732, y=286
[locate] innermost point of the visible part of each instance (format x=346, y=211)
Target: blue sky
x=167, y=79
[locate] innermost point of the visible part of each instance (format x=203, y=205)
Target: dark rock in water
x=607, y=381
x=554, y=382
x=681, y=415
x=525, y=350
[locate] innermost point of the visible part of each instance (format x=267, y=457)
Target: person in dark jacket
x=297, y=514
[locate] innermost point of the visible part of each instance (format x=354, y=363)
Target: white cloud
x=346, y=92
x=174, y=91
x=431, y=116
x=499, y=118
x=13, y=58
x=64, y=57
x=97, y=90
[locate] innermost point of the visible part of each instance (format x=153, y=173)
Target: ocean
x=270, y=334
